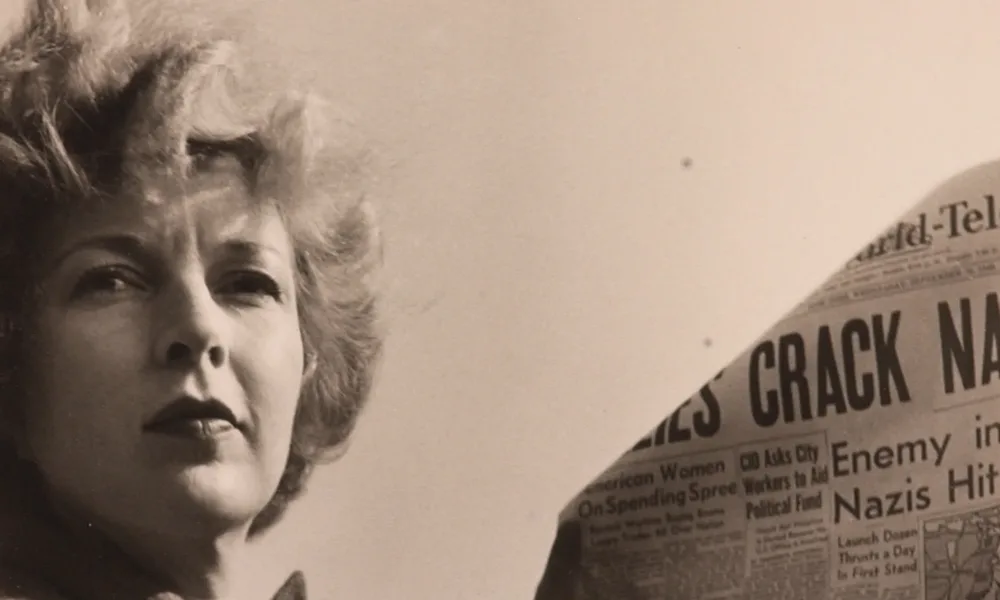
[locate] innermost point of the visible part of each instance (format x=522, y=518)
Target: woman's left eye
x=251, y=283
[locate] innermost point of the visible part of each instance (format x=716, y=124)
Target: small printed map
x=962, y=556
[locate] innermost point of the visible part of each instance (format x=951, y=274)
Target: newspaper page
x=850, y=453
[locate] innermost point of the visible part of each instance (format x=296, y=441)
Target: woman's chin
x=218, y=493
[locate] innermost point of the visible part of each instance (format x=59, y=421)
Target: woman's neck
x=199, y=569
x=193, y=567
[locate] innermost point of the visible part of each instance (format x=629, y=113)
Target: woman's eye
x=251, y=283
x=107, y=281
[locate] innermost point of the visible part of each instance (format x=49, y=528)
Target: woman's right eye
x=107, y=281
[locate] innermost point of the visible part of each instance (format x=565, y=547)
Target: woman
x=188, y=317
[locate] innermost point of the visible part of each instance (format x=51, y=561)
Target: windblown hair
x=99, y=96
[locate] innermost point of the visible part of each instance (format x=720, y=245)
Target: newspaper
x=850, y=453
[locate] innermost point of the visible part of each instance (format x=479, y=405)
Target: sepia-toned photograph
x=350, y=299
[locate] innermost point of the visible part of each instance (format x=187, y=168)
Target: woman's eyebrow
x=124, y=244
x=243, y=249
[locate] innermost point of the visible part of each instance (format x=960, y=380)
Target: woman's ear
x=309, y=366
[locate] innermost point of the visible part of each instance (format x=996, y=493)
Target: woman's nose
x=192, y=332
x=182, y=354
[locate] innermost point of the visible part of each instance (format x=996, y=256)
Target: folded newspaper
x=852, y=452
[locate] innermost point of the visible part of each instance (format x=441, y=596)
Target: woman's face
x=164, y=360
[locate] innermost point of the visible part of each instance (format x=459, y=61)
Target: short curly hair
x=96, y=96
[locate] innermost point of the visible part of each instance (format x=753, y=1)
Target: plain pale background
x=559, y=279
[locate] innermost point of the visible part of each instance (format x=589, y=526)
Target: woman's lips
x=195, y=428
x=192, y=418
